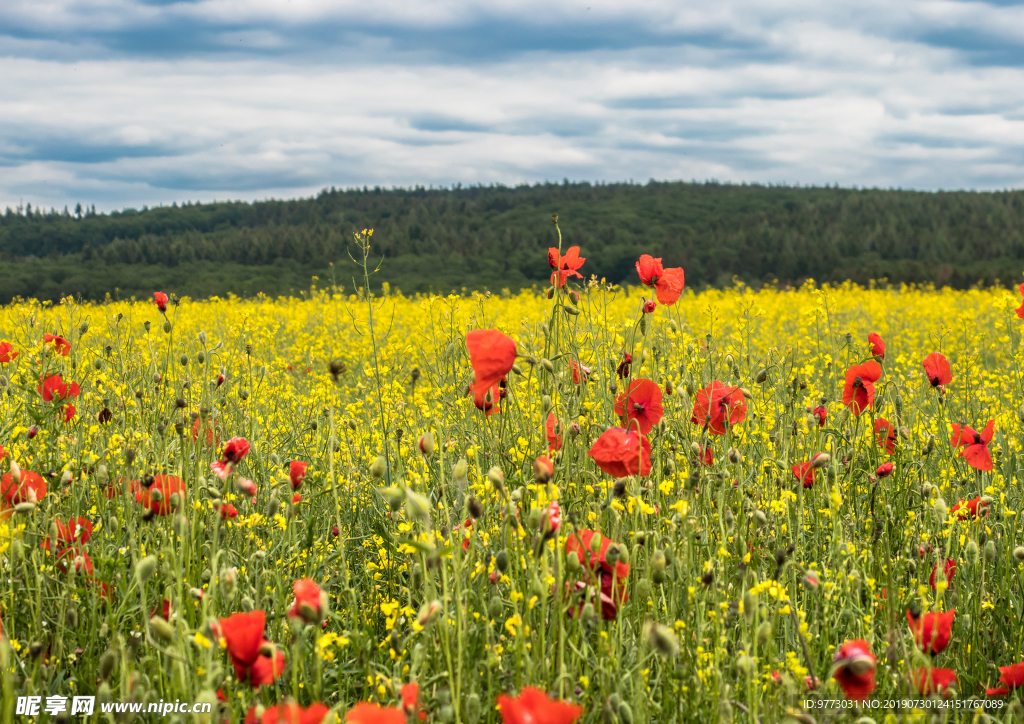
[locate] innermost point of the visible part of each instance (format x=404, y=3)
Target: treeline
x=496, y=237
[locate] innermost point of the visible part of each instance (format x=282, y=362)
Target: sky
x=125, y=103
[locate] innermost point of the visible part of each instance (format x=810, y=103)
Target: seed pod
x=167, y=326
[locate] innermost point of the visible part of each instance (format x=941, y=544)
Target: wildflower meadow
x=575, y=503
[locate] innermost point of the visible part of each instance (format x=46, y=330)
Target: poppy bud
x=574, y=296
x=429, y=612
x=587, y=613
x=821, y=460
x=471, y=708
x=24, y=508
x=167, y=326
x=749, y=606
x=662, y=639
x=658, y=561
x=746, y=665
x=32, y=432
x=547, y=365
x=501, y=560
x=551, y=292
x=107, y=663
x=196, y=593
x=1018, y=553
x=761, y=518
x=517, y=369
x=244, y=486
x=990, y=551
x=734, y=456
x=228, y=579
x=427, y=443
x=572, y=561
x=416, y=505
x=545, y=403
x=496, y=477
x=625, y=713
x=569, y=309
x=668, y=387
x=460, y=473
x=971, y=553
x=764, y=634
x=379, y=467
x=940, y=510
x=335, y=531
x=643, y=589
x=161, y=628
x=543, y=469
x=145, y=568
x=762, y=375
x=695, y=448
x=475, y=509
x=747, y=393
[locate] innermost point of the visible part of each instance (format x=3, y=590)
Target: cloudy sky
x=130, y=102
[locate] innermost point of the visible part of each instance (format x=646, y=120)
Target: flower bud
x=749, y=606
x=429, y=612
x=496, y=477
x=416, y=505
x=472, y=708
x=658, y=561
x=501, y=560
x=167, y=326
x=108, y=661
x=990, y=551
x=427, y=443
x=821, y=460
x=379, y=467
x=734, y=456
x=643, y=589
x=662, y=639
x=760, y=517
x=971, y=553
x=145, y=568
x=764, y=634
x=228, y=579
x=460, y=473
x=162, y=629
x=572, y=562
x=940, y=510
x=746, y=664
x=1018, y=553
x=547, y=365
x=762, y=375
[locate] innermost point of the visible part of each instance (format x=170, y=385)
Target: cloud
x=124, y=103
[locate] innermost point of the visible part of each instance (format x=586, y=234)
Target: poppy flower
x=805, y=472
x=932, y=631
x=552, y=428
x=297, y=473
x=7, y=353
x=292, y=713
x=820, y=412
x=705, y=455
x=620, y=453
x=937, y=368
x=31, y=488
x=612, y=577
x=543, y=469
x=719, y=405
x=491, y=354
x=884, y=470
x=243, y=634
x=68, y=412
x=234, y=452
x=310, y=602
x=551, y=520
x=533, y=706
x=168, y=485
x=649, y=306
x=641, y=401
x=667, y=283
x=975, y=445
x=969, y=508
x=410, y=700
x=61, y=345
x=78, y=558
x=228, y=511
x=877, y=345
x=164, y=612
x=934, y=681
x=579, y=372
x=366, y=713
x=565, y=266
x=1012, y=677
x=105, y=416
x=76, y=530
x=623, y=369
x=55, y=388
x=859, y=390
x=948, y=568
x=160, y=300
x=855, y=669
x=886, y=434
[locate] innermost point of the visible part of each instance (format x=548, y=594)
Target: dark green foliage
x=496, y=237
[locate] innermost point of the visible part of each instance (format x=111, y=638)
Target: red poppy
x=168, y=485
x=533, y=706
x=243, y=633
x=934, y=681
x=667, y=283
x=55, y=388
x=805, y=472
x=209, y=426
x=552, y=428
x=565, y=266
x=612, y=577
x=68, y=412
x=410, y=700
x=297, y=473
x=292, y=713
x=641, y=401
x=228, y=511
x=164, y=612
x=1020, y=309
x=937, y=368
x=649, y=306
x=551, y=520
x=234, y=452
x=969, y=508
x=160, y=300
x=975, y=445
x=1012, y=677
x=491, y=354
x=579, y=372
x=310, y=602
x=543, y=468
x=366, y=713
x=7, y=353
x=719, y=405
x=948, y=568
x=620, y=453
x=886, y=433
x=76, y=530
x=31, y=488
x=884, y=470
x=820, y=412
x=705, y=455
x=855, y=669
x=932, y=631
x=877, y=345
x=859, y=390
x=79, y=559
x=59, y=343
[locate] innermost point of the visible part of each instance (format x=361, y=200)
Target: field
x=475, y=520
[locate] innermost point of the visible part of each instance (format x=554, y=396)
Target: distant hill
x=496, y=237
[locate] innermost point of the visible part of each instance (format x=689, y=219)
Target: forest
x=496, y=237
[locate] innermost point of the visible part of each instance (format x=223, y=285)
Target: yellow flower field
x=477, y=555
